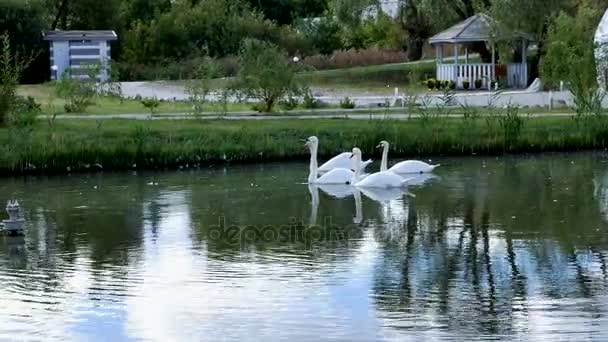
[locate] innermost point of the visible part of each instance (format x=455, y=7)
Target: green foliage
x=79, y=92
x=570, y=56
x=265, y=73
x=308, y=99
x=151, y=104
x=25, y=20
x=200, y=86
x=289, y=103
x=347, y=103
x=324, y=33
x=285, y=12
x=12, y=65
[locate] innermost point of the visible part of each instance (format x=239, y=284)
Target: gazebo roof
x=477, y=28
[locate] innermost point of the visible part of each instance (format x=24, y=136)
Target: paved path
x=522, y=98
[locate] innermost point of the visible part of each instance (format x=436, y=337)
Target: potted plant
x=493, y=84
x=466, y=84
x=446, y=84
x=430, y=83
x=478, y=84
x=452, y=85
x=439, y=85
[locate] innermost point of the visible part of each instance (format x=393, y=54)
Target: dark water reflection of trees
x=475, y=247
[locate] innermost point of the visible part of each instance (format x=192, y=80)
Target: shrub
x=452, y=85
x=347, y=103
x=200, y=87
x=289, y=103
x=478, y=84
x=79, y=93
x=430, y=83
x=151, y=104
x=308, y=99
x=264, y=73
x=25, y=111
x=466, y=85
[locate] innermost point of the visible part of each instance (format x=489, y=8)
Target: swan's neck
x=357, y=167
x=312, y=177
x=384, y=163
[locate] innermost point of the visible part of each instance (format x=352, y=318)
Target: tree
x=532, y=17
x=570, y=55
x=265, y=73
x=284, y=12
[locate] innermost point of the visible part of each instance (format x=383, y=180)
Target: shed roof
x=477, y=28
x=79, y=35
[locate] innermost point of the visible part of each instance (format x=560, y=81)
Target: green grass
x=126, y=144
x=44, y=94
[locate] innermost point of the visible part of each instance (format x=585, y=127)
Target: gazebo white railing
x=474, y=30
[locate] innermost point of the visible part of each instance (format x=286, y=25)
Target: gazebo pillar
x=456, y=64
x=524, y=63
x=493, y=71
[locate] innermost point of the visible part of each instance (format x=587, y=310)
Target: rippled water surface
x=504, y=249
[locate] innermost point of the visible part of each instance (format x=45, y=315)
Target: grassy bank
x=125, y=144
x=44, y=94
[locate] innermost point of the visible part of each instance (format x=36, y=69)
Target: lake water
x=490, y=248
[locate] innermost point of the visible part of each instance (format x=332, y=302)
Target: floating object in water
x=15, y=222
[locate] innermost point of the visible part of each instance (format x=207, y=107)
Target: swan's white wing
x=382, y=180
x=342, y=160
x=336, y=176
x=412, y=166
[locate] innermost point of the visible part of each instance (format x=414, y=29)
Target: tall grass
x=122, y=144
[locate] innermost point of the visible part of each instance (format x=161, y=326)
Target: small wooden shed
x=479, y=28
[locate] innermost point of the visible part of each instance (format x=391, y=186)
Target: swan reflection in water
x=390, y=199
x=423, y=179
x=335, y=191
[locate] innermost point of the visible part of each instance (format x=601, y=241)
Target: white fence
x=517, y=74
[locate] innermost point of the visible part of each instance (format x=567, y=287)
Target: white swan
x=383, y=179
x=335, y=176
x=342, y=160
x=408, y=166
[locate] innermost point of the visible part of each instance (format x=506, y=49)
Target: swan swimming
x=408, y=166
x=343, y=160
x=334, y=176
x=382, y=179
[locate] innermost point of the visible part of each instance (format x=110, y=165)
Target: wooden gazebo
x=476, y=29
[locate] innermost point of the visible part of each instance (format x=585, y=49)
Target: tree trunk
x=414, y=49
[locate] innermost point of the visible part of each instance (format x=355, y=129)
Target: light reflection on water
x=511, y=248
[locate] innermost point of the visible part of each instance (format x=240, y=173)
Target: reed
x=85, y=145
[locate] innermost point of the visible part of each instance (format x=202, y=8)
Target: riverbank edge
x=69, y=146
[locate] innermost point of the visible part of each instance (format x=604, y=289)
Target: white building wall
x=76, y=55
x=60, y=58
